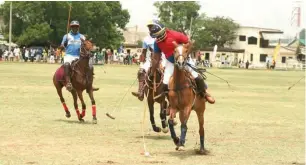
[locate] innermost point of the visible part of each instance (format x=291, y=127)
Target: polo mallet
x=296, y=83
x=108, y=114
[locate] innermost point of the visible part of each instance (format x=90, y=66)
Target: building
x=132, y=38
x=253, y=44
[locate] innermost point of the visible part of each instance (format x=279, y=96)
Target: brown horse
x=153, y=90
x=80, y=81
x=183, y=98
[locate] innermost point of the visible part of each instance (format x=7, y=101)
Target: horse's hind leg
x=75, y=103
x=80, y=94
x=93, y=103
x=151, y=108
x=200, y=114
x=60, y=94
x=163, y=116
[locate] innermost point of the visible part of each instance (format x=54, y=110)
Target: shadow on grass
x=155, y=137
x=187, y=153
x=73, y=121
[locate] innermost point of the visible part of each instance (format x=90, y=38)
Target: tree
x=206, y=31
x=101, y=21
x=177, y=14
x=223, y=30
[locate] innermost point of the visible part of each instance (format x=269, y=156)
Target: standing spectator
x=26, y=54
x=23, y=53
x=11, y=55
x=6, y=54
x=52, y=61
x=45, y=56
x=32, y=55
x=62, y=56
x=38, y=54
x=247, y=64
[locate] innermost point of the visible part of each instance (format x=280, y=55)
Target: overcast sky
x=260, y=13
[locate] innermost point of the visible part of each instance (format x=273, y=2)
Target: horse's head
x=181, y=54
x=86, y=48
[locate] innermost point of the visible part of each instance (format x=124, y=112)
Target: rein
x=156, y=85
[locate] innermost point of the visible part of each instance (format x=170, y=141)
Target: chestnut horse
x=154, y=91
x=80, y=81
x=183, y=98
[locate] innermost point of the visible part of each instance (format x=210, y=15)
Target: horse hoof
x=176, y=141
x=181, y=148
x=94, y=121
x=82, y=120
x=202, y=151
x=68, y=115
x=165, y=130
x=157, y=129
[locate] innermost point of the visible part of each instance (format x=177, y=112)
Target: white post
x=10, y=33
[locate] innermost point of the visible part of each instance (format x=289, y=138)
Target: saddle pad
x=60, y=74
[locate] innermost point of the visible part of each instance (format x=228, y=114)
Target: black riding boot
x=200, y=85
x=67, y=76
x=202, y=90
x=166, y=91
x=141, y=79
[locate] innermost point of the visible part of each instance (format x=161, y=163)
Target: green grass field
x=257, y=121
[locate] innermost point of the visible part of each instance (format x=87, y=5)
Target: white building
x=252, y=44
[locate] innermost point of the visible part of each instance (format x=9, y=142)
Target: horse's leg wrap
x=83, y=110
x=202, y=142
x=183, y=134
x=65, y=107
x=172, y=132
x=78, y=113
x=94, y=111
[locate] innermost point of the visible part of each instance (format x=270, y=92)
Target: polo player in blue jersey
x=72, y=43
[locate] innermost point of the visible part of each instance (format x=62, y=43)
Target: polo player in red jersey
x=164, y=44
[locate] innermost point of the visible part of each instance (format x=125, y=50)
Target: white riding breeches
x=147, y=64
x=170, y=68
x=69, y=58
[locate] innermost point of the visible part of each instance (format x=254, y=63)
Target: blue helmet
x=74, y=23
x=157, y=30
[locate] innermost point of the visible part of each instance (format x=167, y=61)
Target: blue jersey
x=74, y=43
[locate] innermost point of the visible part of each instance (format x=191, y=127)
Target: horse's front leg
x=163, y=115
x=93, y=104
x=75, y=103
x=184, y=116
x=80, y=94
x=151, y=109
x=172, y=113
